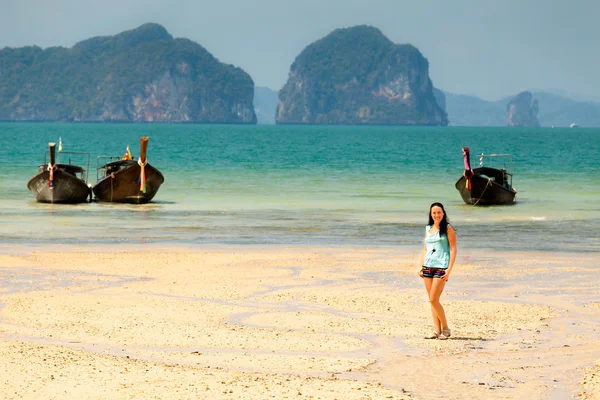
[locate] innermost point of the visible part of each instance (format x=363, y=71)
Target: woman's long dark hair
x=443, y=222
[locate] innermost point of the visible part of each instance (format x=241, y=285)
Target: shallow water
x=332, y=186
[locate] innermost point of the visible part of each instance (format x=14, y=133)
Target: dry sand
x=276, y=323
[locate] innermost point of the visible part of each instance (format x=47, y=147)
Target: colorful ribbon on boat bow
x=51, y=169
x=468, y=174
x=142, y=174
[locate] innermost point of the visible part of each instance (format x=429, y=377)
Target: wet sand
x=258, y=323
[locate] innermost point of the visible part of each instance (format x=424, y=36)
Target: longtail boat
x=60, y=183
x=127, y=180
x=486, y=185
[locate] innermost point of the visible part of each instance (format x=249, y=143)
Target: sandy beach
x=97, y=322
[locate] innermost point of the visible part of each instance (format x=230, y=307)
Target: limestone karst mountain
x=141, y=75
x=522, y=111
x=358, y=76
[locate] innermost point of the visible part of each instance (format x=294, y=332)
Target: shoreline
x=275, y=321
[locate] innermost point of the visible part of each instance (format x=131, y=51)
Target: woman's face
x=437, y=214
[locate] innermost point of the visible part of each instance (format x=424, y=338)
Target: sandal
x=445, y=334
x=434, y=335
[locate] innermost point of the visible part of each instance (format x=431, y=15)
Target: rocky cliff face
x=142, y=75
x=440, y=98
x=358, y=76
x=522, y=111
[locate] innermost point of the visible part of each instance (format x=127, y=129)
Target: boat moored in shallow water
x=61, y=182
x=127, y=180
x=487, y=185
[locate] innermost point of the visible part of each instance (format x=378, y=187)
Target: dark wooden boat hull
x=484, y=192
x=67, y=188
x=123, y=185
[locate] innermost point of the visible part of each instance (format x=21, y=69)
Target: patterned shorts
x=433, y=272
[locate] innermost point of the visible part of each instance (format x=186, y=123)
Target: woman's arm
x=452, y=242
x=422, y=258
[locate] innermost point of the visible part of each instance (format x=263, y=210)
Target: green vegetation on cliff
x=358, y=76
x=139, y=75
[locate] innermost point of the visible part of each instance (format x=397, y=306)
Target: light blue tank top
x=437, y=250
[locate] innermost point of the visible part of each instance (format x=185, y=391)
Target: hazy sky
x=486, y=48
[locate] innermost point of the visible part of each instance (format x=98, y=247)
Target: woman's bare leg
x=435, y=292
x=437, y=326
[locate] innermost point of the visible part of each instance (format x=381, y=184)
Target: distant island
x=554, y=110
x=522, y=111
x=141, y=75
x=265, y=105
x=357, y=76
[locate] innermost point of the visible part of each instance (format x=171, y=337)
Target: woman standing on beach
x=437, y=260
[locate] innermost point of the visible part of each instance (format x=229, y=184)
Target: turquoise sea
x=310, y=185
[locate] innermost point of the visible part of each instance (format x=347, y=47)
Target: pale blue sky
x=490, y=49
